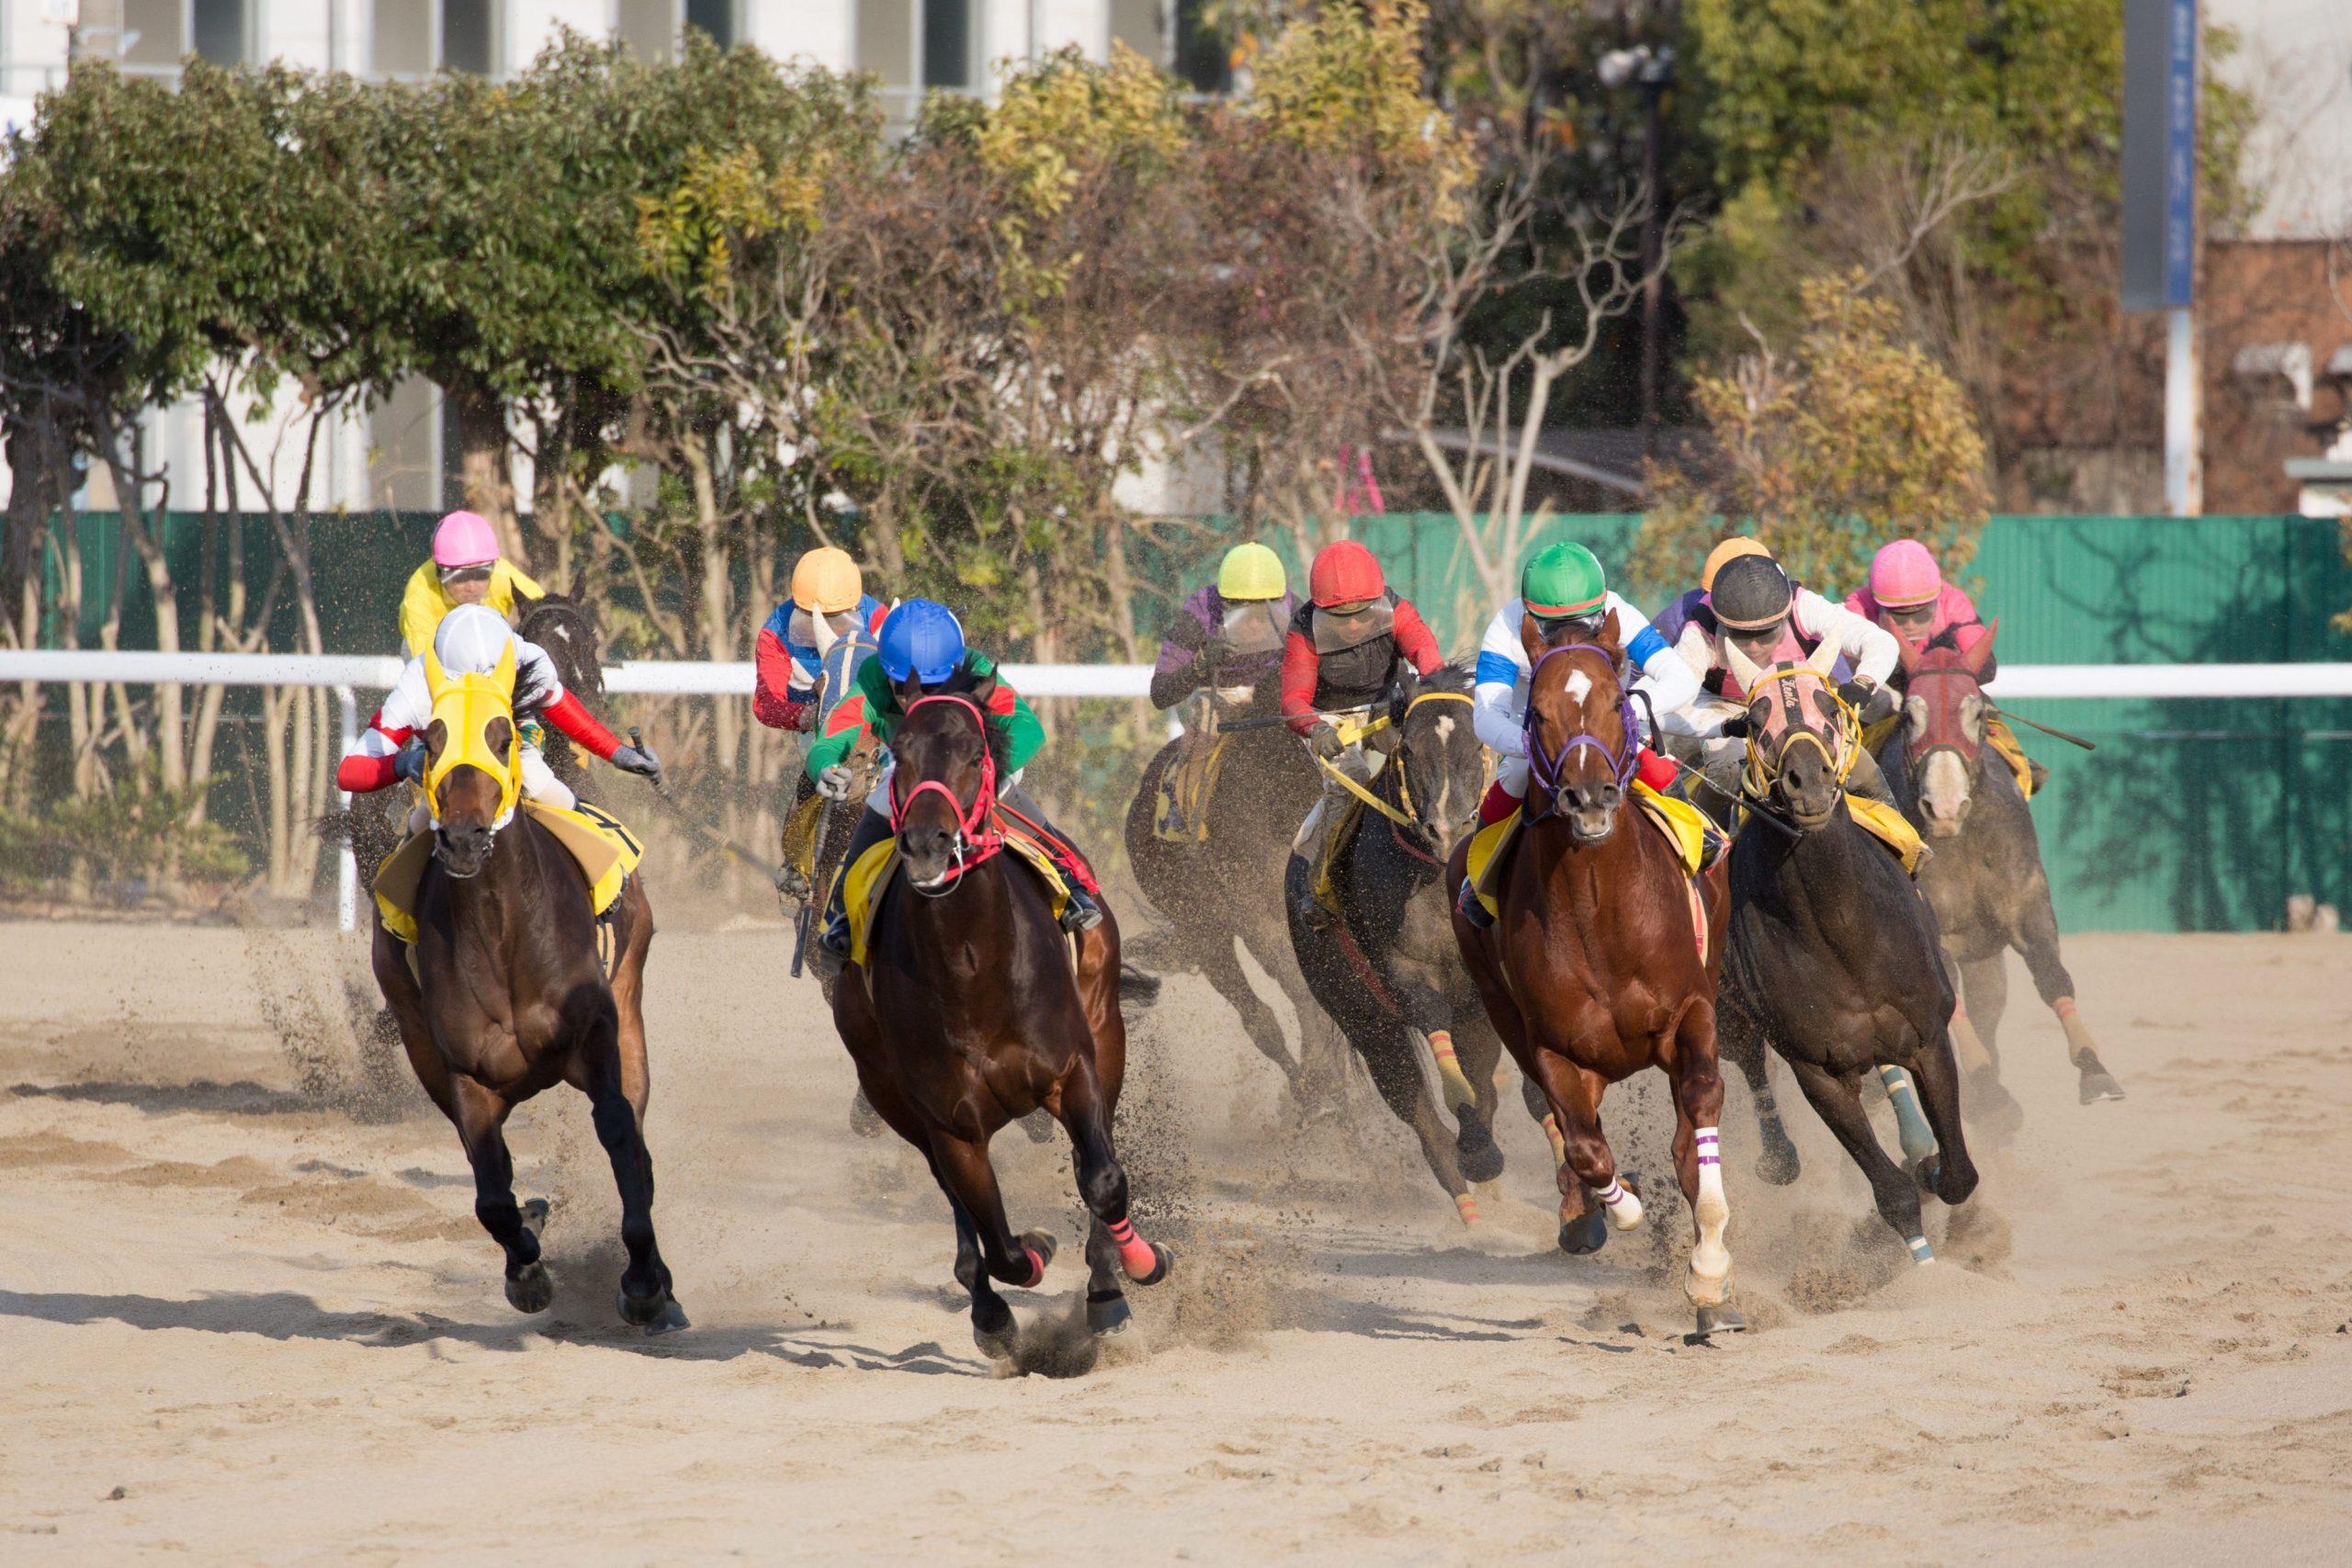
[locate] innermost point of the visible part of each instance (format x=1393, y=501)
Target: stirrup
x=1312, y=912
x=1080, y=913
x=1472, y=907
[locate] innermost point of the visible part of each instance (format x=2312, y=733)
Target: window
x=885, y=42
x=947, y=43
x=150, y=33
x=1200, y=55
x=399, y=39
x=470, y=36
x=715, y=18
x=649, y=26
x=219, y=30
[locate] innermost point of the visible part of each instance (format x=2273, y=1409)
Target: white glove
x=835, y=782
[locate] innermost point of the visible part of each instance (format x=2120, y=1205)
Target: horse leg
x=481, y=1116
x=1540, y=1110
x=1480, y=1055
x=1113, y=1247
x=969, y=1181
x=1476, y=1152
x=636, y=938
x=1838, y=1103
x=1698, y=1164
x=1393, y=1059
x=1739, y=1041
x=1985, y=991
x=644, y=1299
x=2037, y=939
x=1937, y=1076
x=1213, y=955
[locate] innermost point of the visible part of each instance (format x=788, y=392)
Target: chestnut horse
x=1595, y=967
x=1834, y=958
x=508, y=997
x=1986, y=882
x=971, y=1010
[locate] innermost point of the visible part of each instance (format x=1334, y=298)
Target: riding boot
x=1079, y=912
x=1314, y=840
x=1474, y=909
x=833, y=941
x=1867, y=781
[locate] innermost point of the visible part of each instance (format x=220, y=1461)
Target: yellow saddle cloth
x=605, y=850
x=869, y=876
x=1685, y=827
x=1890, y=826
x=1181, y=815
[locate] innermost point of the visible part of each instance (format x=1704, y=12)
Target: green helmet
x=1563, y=581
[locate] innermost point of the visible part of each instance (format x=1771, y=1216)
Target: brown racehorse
x=508, y=997
x=970, y=1010
x=1595, y=968
x=1986, y=882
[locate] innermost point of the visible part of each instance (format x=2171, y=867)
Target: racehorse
x=1986, y=882
x=561, y=625
x=1225, y=883
x=1834, y=958
x=507, y=997
x=1387, y=969
x=970, y=1009
x=1604, y=955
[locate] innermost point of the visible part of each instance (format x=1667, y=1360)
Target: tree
x=1855, y=438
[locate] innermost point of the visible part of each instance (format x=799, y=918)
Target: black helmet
x=1751, y=593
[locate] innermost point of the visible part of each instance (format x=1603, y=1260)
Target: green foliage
x=1859, y=439
x=125, y=835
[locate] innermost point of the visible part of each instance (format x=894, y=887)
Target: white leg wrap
x=1623, y=1209
x=1710, y=1258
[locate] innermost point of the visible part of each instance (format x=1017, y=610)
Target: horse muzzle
x=463, y=849
x=935, y=858
x=1591, y=810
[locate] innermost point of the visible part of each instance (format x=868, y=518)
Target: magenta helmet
x=464, y=539
x=1903, y=574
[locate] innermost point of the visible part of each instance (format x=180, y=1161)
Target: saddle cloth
x=1686, y=828
x=870, y=876
x=1181, y=815
x=605, y=850
x=1890, y=826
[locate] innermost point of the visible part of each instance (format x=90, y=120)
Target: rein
x=1402, y=815
x=1545, y=768
x=975, y=837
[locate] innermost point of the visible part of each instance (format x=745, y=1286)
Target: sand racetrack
x=246, y=1313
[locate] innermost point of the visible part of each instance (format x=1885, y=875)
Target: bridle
x=977, y=836
x=1758, y=777
x=1957, y=743
x=1543, y=768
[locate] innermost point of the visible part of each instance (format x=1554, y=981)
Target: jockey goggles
x=453, y=576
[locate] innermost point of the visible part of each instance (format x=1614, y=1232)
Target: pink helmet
x=464, y=539
x=1903, y=574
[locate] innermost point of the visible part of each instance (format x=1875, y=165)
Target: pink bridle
x=975, y=837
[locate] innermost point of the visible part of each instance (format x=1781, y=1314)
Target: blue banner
x=2180, y=159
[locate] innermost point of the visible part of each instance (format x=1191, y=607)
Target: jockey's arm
x=1699, y=719
x=1176, y=675
x=1301, y=665
x=408, y=708
x=1416, y=641
x=422, y=605
x=568, y=714
x=1869, y=647
x=1496, y=712
x=783, y=695
x=1667, y=681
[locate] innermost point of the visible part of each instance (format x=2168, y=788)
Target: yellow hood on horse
x=464, y=705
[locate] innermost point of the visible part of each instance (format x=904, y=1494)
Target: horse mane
x=565, y=656
x=963, y=684
x=1449, y=678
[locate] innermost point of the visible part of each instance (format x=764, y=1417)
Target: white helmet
x=471, y=639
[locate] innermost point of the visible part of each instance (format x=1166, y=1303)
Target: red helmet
x=1344, y=574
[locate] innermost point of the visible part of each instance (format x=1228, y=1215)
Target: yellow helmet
x=1730, y=550
x=826, y=581
x=1252, y=571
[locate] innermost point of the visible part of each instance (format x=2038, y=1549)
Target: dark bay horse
x=508, y=997
x=1988, y=883
x=564, y=626
x=1387, y=969
x=1595, y=967
x=1834, y=958
x=1225, y=885
x=971, y=1010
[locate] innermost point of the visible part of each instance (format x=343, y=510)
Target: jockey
x=1341, y=654
x=1564, y=592
x=921, y=640
x=1693, y=604
x=1907, y=595
x=1773, y=620
x=465, y=568
x=829, y=603
x=470, y=640
x=1231, y=634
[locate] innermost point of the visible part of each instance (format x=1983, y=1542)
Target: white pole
x=346, y=869
x=2184, y=466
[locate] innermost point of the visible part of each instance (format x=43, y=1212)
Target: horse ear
x=437, y=734
x=1824, y=657
x=909, y=689
x=1609, y=636
x=1982, y=654
x=1742, y=669
x=985, y=689
x=1907, y=654
x=579, y=590
x=1530, y=638
x=1403, y=689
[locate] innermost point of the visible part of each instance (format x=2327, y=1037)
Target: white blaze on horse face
x=1579, y=684
x=1943, y=791
x=1710, y=1278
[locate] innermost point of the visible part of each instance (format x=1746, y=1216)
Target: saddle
x=869, y=877
x=1186, y=787
x=1692, y=833
x=605, y=850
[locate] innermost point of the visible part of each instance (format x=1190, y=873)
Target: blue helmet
x=921, y=637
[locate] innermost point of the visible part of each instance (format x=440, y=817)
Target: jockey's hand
x=1215, y=653
x=1324, y=740
x=1872, y=701
x=640, y=762
x=1735, y=727
x=835, y=782
x=408, y=763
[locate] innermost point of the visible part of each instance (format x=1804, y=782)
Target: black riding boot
x=832, y=943
x=1079, y=912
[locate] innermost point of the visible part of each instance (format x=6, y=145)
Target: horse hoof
x=534, y=1216
x=1042, y=1243
x=1589, y=1233
x=668, y=1320
x=1039, y=1125
x=1480, y=1158
x=864, y=1120
x=1163, y=1258
x=1107, y=1313
x=1778, y=1165
x=1724, y=1319
x=643, y=1312
x=997, y=1341
x=530, y=1289
x=2099, y=1084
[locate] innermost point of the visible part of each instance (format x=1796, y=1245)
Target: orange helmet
x=1344, y=574
x=826, y=581
x=1731, y=549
